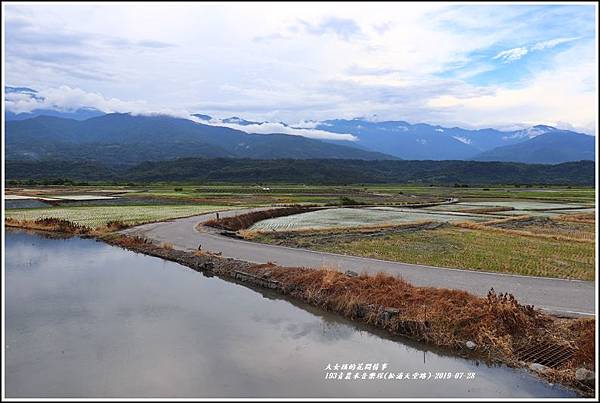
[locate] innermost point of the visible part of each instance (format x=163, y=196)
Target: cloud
x=511, y=55
x=65, y=98
x=344, y=28
x=551, y=43
x=279, y=128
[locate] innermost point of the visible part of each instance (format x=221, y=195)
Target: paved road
x=564, y=297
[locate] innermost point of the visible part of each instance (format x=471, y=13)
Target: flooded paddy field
x=355, y=217
x=85, y=319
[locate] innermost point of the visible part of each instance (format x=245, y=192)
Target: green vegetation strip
x=94, y=217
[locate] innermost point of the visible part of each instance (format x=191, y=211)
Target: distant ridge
x=124, y=138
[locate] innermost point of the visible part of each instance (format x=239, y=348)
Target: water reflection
x=85, y=319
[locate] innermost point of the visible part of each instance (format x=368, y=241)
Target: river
x=86, y=319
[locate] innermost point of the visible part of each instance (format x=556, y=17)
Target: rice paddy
x=97, y=216
x=357, y=217
x=455, y=247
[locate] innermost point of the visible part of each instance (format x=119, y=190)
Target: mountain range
x=127, y=139
x=537, y=144
x=121, y=138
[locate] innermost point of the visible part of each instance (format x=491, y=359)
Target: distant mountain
x=428, y=142
x=552, y=147
x=123, y=138
x=77, y=114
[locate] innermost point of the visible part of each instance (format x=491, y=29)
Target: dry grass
x=487, y=227
x=498, y=324
x=587, y=218
x=62, y=226
x=506, y=220
x=49, y=224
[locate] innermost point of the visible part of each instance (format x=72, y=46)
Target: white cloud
x=65, y=98
x=306, y=124
x=462, y=139
x=278, y=128
x=549, y=44
x=511, y=55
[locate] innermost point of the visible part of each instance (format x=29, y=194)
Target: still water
x=85, y=319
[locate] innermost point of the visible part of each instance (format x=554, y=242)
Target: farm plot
x=24, y=203
x=355, y=217
x=522, y=205
x=462, y=248
x=454, y=207
x=83, y=197
x=478, y=250
x=543, y=213
x=98, y=216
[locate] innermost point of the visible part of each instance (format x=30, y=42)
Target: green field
x=97, y=216
x=459, y=248
x=265, y=194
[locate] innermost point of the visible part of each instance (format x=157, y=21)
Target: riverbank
x=497, y=327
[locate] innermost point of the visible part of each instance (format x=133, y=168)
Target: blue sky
x=496, y=65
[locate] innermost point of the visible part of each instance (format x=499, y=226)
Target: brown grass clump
x=585, y=331
x=50, y=224
x=126, y=241
x=244, y=221
x=116, y=225
x=167, y=245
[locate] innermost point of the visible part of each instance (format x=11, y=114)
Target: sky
x=500, y=65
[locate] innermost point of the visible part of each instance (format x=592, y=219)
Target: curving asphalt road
x=556, y=296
